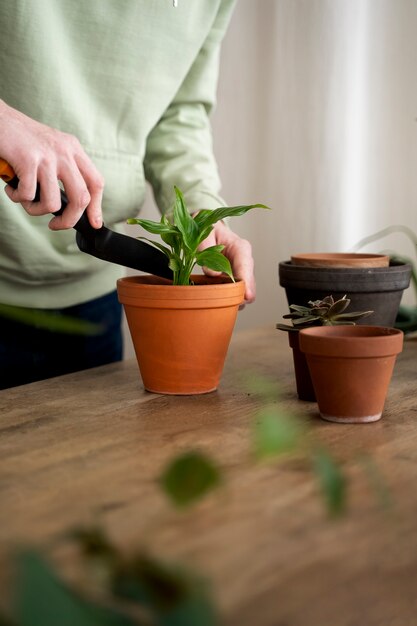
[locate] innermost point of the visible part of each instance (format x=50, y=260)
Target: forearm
x=180, y=152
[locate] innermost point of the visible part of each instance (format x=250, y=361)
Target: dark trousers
x=29, y=353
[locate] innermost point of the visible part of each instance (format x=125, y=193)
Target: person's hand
x=40, y=154
x=239, y=253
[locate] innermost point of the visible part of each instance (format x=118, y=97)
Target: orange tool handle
x=6, y=171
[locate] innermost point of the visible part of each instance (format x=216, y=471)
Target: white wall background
x=317, y=117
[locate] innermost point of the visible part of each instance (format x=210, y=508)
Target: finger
x=26, y=189
x=240, y=256
x=209, y=272
x=239, y=253
x=78, y=199
x=95, y=186
x=50, y=197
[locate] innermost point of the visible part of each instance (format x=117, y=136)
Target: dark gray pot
x=378, y=289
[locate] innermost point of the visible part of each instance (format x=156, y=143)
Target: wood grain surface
x=91, y=446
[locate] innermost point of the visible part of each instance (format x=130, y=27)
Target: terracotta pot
x=305, y=389
x=180, y=333
x=376, y=289
x=351, y=367
x=340, y=259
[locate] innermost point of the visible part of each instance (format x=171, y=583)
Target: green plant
x=326, y=312
x=182, y=234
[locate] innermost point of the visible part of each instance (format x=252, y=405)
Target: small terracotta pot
x=304, y=384
x=340, y=259
x=351, y=367
x=180, y=333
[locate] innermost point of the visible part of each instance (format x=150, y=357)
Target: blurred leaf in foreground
x=50, y=320
x=42, y=599
x=276, y=433
x=189, y=477
x=332, y=481
x=376, y=481
x=173, y=596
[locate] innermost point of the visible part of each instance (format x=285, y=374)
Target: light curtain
x=317, y=117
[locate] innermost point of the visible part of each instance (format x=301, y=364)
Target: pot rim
x=340, y=259
x=395, y=277
x=351, y=341
x=394, y=265
x=152, y=291
x=201, y=280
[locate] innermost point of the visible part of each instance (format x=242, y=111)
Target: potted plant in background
x=326, y=312
x=406, y=319
x=181, y=329
x=351, y=367
x=376, y=288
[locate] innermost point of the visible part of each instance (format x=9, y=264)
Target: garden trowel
x=104, y=243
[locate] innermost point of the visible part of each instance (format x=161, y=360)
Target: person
x=101, y=96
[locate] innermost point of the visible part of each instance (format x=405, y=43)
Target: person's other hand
x=239, y=253
x=40, y=154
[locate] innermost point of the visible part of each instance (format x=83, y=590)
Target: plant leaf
x=42, y=599
x=173, y=239
x=285, y=327
x=332, y=481
x=354, y=315
x=327, y=300
x=156, y=228
x=297, y=308
x=320, y=311
x=184, y=222
x=174, y=263
x=214, y=260
x=189, y=477
x=174, y=596
x=201, y=217
x=305, y=320
x=338, y=307
x=376, y=481
x=51, y=321
x=206, y=218
x=276, y=433
x=158, y=245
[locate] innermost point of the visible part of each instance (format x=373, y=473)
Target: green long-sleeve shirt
x=134, y=80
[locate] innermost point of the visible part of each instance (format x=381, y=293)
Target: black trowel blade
x=114, y=247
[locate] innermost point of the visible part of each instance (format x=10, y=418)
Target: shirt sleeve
x=179, y=149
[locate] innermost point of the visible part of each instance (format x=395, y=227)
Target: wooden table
x=94, y=443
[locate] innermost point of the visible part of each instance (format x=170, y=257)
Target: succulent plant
x=326, y=312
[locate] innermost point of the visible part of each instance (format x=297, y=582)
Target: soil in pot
x=180, y=333
x=340, y=259
x=351, y=367
x=376, y=289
